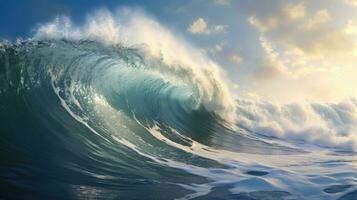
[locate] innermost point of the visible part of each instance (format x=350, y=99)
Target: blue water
x=83, y=120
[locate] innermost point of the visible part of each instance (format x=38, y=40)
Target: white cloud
x=351, y=2
x=236, y=59
x=220, y=28
x=351, y=28
x=236, y=86
x=295, y=11
x=288, y=14
x=307, y=51
x=272, y=65
x=319, y=18
x=263, y=26
x=200, y=26
x=307, y=37
x=218, y=47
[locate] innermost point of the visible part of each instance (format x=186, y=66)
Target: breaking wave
x=122, y=107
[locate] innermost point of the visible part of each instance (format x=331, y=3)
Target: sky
x=281, y=50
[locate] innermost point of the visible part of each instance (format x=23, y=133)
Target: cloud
x=214, y=50
x=235, y=59
x=351, y=28
x=263, y=25
x=217, y=48
x=351, y=2
x=319, y=18
x=286, y=15
x=200, y=26
x=308, y=48
x=271, y=65
x=304, y=39
x=312, y=35
x=220, y=28
x=295, y=11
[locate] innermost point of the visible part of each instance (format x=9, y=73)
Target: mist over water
x=123, y=108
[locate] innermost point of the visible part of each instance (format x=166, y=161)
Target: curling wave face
x=87, y=113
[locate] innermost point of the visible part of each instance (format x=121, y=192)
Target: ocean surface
x=85, y=119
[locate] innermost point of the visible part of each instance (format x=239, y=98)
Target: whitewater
x=121, y=107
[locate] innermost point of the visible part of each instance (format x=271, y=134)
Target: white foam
x=325, y=124
x=129, y=28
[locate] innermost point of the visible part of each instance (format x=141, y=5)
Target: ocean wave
x=330, y=124
x=163, y=51
x=121, y=106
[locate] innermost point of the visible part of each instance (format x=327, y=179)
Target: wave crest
x=159, y=47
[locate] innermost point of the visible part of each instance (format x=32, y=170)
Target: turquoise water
x=83, y=120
